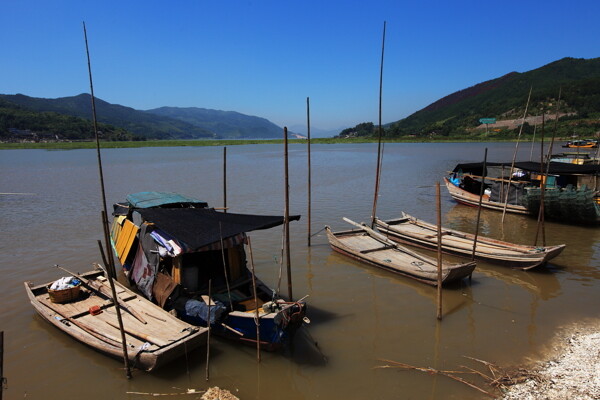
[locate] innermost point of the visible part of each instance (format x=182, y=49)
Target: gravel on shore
x=572, y=371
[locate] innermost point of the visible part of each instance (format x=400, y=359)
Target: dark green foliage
x=138, y=123
x=361, y=130
x=506, y=97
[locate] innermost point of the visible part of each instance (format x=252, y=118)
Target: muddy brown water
x=359, y=314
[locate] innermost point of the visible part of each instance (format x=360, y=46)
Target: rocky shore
x=572, y=370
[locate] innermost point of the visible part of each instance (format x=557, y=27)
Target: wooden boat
x=571, y=191
x=582, y=144
x=419, y=233
x=366, y=245
x=471, y=199
x=199, y=248
x=162, y=338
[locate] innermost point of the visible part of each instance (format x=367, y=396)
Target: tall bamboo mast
x=287, y=214
x=309, y=173
x=512, y=165
x=111, y=273
x=378, y=170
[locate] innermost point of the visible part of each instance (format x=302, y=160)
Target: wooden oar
x=140, y=335
x=105, y=290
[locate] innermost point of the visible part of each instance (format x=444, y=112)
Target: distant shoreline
x=203, y=143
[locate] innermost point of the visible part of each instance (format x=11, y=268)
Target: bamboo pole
x=481, y=190
x=112, y=273
x=208, y=326
x=286, y=220
x=512, y=165
x=309, y=172
x=225, y=266
x=378, y=170
x=2, y=378
x=256, y=317
x=224, y=179
x=439, y=251
x=541, y=211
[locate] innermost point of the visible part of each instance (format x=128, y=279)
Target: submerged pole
x=256, y=317
x=481, y=190
x=439, y=251
x=111, y=273
x=286, y=220
x=224, y=179
x=309, y=174
x=378, y=170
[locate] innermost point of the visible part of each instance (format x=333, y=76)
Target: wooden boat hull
x=168, y=338
x=418, y=233
x=362, y=247
x=470, y=199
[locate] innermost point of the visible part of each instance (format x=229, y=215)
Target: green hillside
x=137, y=123
x=18, y=123
x=506, y=97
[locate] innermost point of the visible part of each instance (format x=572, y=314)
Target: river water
x=359, y=314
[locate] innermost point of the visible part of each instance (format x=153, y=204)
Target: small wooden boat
x=582, y=144
x=154, y=337
x=371, y=247
x=419, y=233
x=471, y=199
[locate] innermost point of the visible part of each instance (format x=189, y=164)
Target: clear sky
x=265, y=57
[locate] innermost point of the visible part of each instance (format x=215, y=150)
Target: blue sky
x=265, y=58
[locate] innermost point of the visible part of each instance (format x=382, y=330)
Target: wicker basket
x=64, y=295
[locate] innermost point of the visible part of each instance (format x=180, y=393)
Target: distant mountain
x=226, y=124
x=316, y=132
x=138, y=122
x=505, y=98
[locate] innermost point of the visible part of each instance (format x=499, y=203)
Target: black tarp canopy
x=199, y=227
x=556, y=168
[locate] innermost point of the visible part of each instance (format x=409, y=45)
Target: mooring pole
x=117, y=310
x=111, y=271
x=208, y=326
x=439, y=251
x=256, y=317
x=481, y=190
x=309, y=176
x=379, y=130
x=225, y=179
x=286, y=219
x=2, y=378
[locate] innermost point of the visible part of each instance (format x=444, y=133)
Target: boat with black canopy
x=571, y=195
x=175, y=250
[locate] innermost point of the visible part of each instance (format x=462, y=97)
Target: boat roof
x=556, y=168
x=199, y=227
x=158, y=199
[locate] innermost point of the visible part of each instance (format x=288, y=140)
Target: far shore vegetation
x=198, y=143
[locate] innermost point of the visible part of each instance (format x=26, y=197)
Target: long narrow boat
x=153, y=336
x=471, y=199
x=371, y=247
x=419, y=233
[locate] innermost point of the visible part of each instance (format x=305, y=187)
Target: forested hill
x=505, y=98
x=69, y=117
x=139, y=123
x=228, y=124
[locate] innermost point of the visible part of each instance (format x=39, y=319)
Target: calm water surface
x=359, y=314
